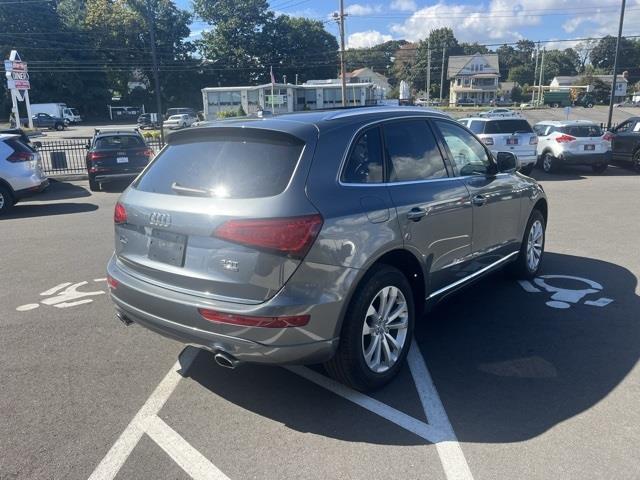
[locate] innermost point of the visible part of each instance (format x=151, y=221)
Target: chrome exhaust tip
x=225, y=360
x=123, y=318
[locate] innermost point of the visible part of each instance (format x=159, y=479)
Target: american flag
x=273, y=79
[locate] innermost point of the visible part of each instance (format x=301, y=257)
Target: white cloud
x=404, y=5
x=356, y=9
x=366, y=39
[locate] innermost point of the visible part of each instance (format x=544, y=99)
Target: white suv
x=507, y=135
x=572, y=142
x=20, y=171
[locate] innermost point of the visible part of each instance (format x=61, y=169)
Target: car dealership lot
x=537, y=380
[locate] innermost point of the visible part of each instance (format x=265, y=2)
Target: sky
x=489, y=22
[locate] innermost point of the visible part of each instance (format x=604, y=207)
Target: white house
x=367, y=75
x=473, y=78
x=573, y=81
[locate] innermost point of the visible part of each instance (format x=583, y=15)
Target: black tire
x=59, y=126
x=589, y=105
x=599, y=168
x=548, y=163
x=527, y=169
x=6, y=200
x=348, y=364
x=555, y=105
x=94, y=186
x=636, y=161
x=520, y=268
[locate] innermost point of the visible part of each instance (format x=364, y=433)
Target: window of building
x=413, y=152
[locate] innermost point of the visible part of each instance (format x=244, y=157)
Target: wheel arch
x=543, y=207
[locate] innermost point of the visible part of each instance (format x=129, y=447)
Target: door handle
x=479, y=200
x=416, y=214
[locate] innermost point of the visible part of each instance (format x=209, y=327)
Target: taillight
x=93, y=156
x=533, y=140
x=487, y=141
x=253, y=321
x=565, y=139
x=291, y=236
x=148, y=153
x=112, y=282
x=16, y=157
x=607, y=137
x=119, y=214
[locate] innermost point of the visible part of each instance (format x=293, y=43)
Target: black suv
x=625, y=143
x=116, y=155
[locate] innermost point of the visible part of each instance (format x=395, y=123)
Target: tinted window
x=540, y=129
x=476, y=126
x=119, y=141
x=365, y=164
x=507, y=126
x=225, y=164
x=466, y=151
x=582, y=130
x=412, y=151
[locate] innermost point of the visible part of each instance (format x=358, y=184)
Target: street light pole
x=340, y=18
x=615, y=66
x=154, y=59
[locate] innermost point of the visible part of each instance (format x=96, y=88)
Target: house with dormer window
x=473, y=78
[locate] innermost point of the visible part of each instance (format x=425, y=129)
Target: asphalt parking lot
x=505, y=380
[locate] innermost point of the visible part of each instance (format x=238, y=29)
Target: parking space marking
x=563, y=298
x=64, y=295
x=188, y=458
x=111, y=464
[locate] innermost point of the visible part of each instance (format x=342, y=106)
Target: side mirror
x=507, y=162
x=37, y=144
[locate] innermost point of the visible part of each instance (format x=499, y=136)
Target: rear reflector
x=291, y=236
x=112, y=282
x=250, y=321
x=565, y=139
x=119, y=214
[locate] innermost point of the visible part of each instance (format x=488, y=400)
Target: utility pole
x=615, y=66
x=535, y=76
x=428, y=69
x=339, y=17
x=541, y=77
x=442, y=75
x=296, y=79
x=154, y=58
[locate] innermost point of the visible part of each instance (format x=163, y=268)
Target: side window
x=476, y=126
x=623, y=127
x=412, y=151
x=467, y=153
x=365, y=164
x=540, y=130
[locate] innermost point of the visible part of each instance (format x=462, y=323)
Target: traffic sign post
x=19, y=85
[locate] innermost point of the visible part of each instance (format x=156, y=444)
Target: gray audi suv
x=318, y=237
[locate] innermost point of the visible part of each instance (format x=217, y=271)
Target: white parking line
x=188, y=458
x=120, y=451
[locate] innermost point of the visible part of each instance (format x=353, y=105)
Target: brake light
x=292, y=236
x=93, y=156
x=607, y=137
x=252, y=321
x=565, y=139
x=148, y=153
x=119, y=214
x=533, y=140
x=487, y=141
x=112, y=282
x=16, y=157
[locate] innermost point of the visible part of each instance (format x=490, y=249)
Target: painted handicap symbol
x=64, y=295
x=565, y=297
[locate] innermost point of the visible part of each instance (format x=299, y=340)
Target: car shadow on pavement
x=59, y=190
x=507, y=366
x=47, y=209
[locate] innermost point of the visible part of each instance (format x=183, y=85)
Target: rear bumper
x=26, y=192
x=570, y=158
x=105, y=177
x=175, y=315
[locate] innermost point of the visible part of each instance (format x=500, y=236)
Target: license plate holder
x=167, y=247
x=512, y=141
x=590, y=147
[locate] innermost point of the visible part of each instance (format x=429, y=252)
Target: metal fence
x=67, y=156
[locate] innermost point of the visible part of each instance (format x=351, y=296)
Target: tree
x=508, y=58
x=380, y=58
x=603, y=54
x=583, y=51
x=522, y=74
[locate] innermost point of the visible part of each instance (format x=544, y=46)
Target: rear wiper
x=194, y=192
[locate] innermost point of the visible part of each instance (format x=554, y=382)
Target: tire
x=94, y=186
x=527, y=169
x=589, y=105
x=521, y=268
x=349, y=365
x=636, y=161
x=599, y=168
x=184, y=125
x=59, y=126
x=555, y=105
x=548, y=163
x=6, y=200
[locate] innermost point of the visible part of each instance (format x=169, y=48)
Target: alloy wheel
x=384, y=331
x=534, y=245
x=547, y=163
x=2, y=200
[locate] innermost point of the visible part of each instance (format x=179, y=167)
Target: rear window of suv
x=582, y=130
x=119, y=141
x=506, y=126
x=226, y=164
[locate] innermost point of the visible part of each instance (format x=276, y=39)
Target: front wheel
x=6, y=200
x=60, y=127
x=527, y=265
x=589, y=105
x=376, y=332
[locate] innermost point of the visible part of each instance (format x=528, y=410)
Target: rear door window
x=119, y=142
x=225, y=164
x=365, y=163
x=507, y=126
x=412, y=151
x=582, y=130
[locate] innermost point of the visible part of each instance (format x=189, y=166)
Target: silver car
x=318, y=237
